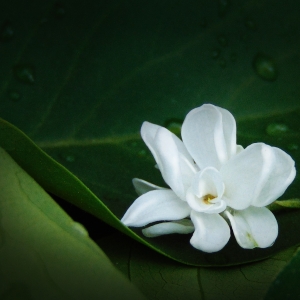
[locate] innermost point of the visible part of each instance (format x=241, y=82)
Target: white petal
x=207, y=182
x=148, y=133
x=256, y=176
x=279, y=178
x=201, y=206
x=142, y=187
x=239, y=149
x=174, y=161
x=184, y=226
x=155, y=206
x=254, y=227
x=211, y=232
x=209, y=134
x=245, y=173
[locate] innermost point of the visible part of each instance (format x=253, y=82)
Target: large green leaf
x=44, y=254
x=61, y=182
x=286, y=285
x=160, y=278
x=79, y=78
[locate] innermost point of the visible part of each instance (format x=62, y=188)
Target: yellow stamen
x=207, y=198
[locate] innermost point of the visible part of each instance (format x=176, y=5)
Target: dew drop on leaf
x=223, y=6
x=142, y=153
x=25, y=73
x=14, y=95
x=6, y=31
x=174, y=125
x=265, y=67
x=276, y=129
x=293, y=147
x=68, y=157
x=79, y=228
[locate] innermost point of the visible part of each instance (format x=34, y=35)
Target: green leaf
x=286, y=285
x=44, y=254
x=96, y=70
x=285, y=204
x=160, y=278
x=58, y=180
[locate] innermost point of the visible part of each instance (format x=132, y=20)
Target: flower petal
x=173, y=160
x=148, y=133
x=142, y=187
x=254, y=227
x=209, y=134
x=155, y=206
x=256, y=176
x=211, y=232
x=207, y=183
x=239, y=149
x=184, y=226
x=200, y=205
x=279, y=178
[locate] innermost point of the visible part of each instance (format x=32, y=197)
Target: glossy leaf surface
x=160, y=278
x=44, y=254
x=79, y=78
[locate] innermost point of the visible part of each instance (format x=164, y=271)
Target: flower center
x=207, y=198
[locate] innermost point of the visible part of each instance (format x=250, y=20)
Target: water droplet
x=70, y=158
x=79, y=228
x=6, y=31
x=223, y=7
x=222, y=40
x=14, y=95
x=215, y=53
x=24, y=73
x=276, y=129
x=293, y=147
x=250, y=24
x=174, y=125
x=142, y=153
x=222, y=63
x=264, y=66
x=67, y=157
x=59, y=10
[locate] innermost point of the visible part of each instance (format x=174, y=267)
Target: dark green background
x=101, y=68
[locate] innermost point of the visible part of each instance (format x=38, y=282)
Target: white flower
x=212, y=182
